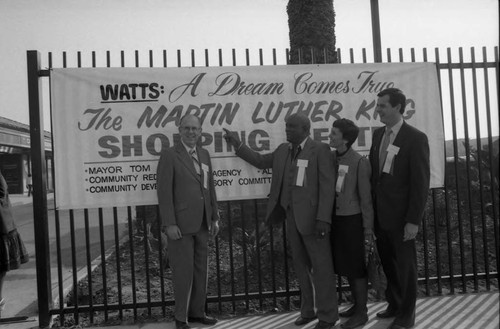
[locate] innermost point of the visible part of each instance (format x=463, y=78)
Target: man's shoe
x=181, y=325
x=355, y=321
x=302, y=321
x=203, y=320
x=324, y=325
x=397, y=326
x=388, y=313
x=349, y=312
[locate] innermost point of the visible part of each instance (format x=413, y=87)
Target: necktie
x=295, y=152
x=196, y=162
x=383, y=148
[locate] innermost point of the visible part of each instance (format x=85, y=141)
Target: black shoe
x=355, y=321
x=302, y=321
x=324, y=325
x=397, y=326
x=349, y=312
x=388, y=313
x=181, y=325
x=203, y=320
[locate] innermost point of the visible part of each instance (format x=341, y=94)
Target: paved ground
x=468, y=311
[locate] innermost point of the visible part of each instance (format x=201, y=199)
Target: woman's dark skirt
x=348, y=246
x=12, y=251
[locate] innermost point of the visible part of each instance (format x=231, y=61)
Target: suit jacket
x=400, y=197
x=313, y=200
x=355, y=196
x=181, y=195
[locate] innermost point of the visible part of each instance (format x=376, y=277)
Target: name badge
x=204, y=168
x=301, y=165
x=343, y=170
x=392, y=151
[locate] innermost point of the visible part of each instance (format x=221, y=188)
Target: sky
x=115, y=25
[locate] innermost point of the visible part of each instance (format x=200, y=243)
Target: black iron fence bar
x=145, y=241
x=159, y=225
x=145, y=229
x=229, y=220
x=218, y=271
x=118, y=263
x=244, y=234
x=271, y=235
x=104, y=276
x=425, y=239
x=73, y=263
x=244, y=244
x=480, y=169
x=132, y=259
x=495, y=220
x=287, y=273
x=258, y=255
x=457, y=187
x=446, y=192
x=59, y=260
x=39, y=179
x=75, y=296
x=490, y=149
x=217, y=238
x=426, y=253
x=89, y=263
x=437, y=227
x=468, y=167
x=161, y=261
x=58, y=232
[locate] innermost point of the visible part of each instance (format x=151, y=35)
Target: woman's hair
x=348, y=129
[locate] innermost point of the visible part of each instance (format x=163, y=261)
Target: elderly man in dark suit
x=399, y=156
x=188, y=211
x=302, y=191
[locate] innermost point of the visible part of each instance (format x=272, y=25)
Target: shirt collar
x=188, y=149
x=290, y=145
x=395, y=129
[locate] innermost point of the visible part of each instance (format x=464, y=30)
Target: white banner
x=110, y=124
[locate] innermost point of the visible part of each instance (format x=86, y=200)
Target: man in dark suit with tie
x=189, y=214
x=302, y=191
x=399, y=156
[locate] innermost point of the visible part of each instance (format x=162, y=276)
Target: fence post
x=377, y=43
x=40, y=212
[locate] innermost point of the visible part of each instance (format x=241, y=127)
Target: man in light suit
x=399, y=156
x=302, y=191
x=189, y=214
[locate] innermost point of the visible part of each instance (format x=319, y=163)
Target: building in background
x=15, y=156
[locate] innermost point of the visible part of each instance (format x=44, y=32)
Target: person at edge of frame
x=12, y=250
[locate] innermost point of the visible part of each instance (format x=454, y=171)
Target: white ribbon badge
x=302, y=165
x=392, y=151
x=343, y=170
x=204, y=168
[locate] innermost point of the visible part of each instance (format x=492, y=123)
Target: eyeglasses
x=188, y=129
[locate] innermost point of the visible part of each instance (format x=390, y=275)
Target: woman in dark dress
x=12, y=250
x=352, y=225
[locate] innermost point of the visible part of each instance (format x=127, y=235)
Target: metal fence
x=249, y=262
